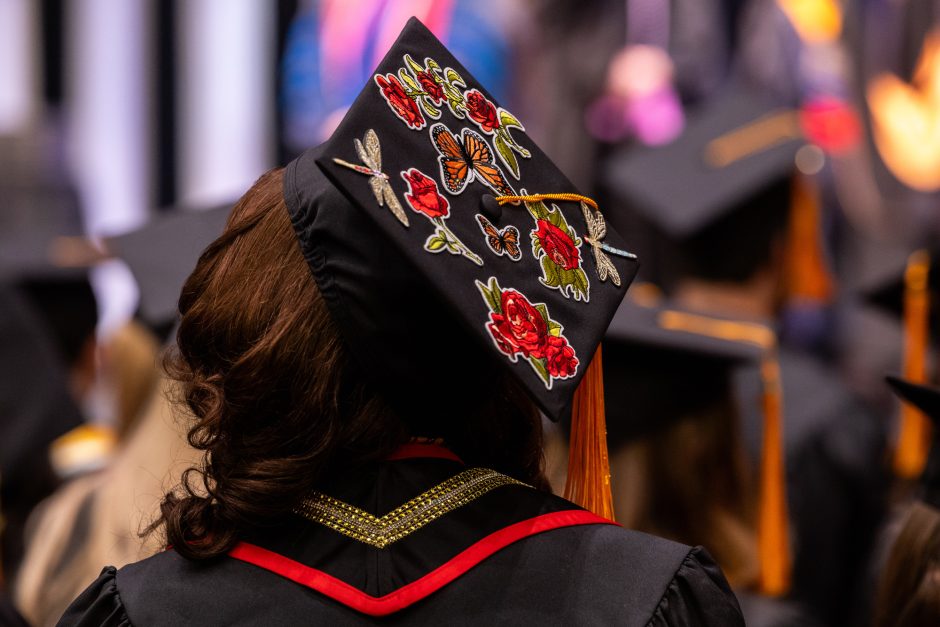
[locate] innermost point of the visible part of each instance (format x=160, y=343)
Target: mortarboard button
x=490, y=208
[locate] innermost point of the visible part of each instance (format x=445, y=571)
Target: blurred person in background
x=678, y=461
x=95, y=520
x=730, y=221
x=47, y=358
x=596, y=74
x=35, y=408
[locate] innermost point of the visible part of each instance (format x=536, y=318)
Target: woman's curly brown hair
x=280, y=407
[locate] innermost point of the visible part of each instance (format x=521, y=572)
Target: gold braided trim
x=425, y=508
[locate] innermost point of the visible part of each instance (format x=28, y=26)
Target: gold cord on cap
x=537, y=197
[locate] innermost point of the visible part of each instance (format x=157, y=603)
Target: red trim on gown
x=422, y=587
x=415, y=450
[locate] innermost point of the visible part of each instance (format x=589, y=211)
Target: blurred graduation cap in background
x=927, y=400
x=663, y=366
x=910, y=291
x=720, y=193
x=44, y=255
x=36, y=219
x=732, y=152
x=655, y=374
x=163, y=253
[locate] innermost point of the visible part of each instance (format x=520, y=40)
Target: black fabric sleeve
x=698, y=596
x=98, y=606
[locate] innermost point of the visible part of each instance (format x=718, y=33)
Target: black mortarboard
x=926, y=399
x=163, y=253
x=732, y=150
x=35, y=217
x=716, y=197
x=407, y=216
x=45, y=256
x=449, y=248
x=655, y=375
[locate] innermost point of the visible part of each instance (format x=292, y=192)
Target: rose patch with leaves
x=520, y=328
x=558, y=249
x=424, y=198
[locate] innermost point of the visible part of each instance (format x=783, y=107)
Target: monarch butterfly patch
x=466, y=158
x=503, y=241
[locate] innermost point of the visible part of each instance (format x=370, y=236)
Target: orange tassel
x=914, y=438
x=772, y=525
x=773, y=541
x=588, y=482
x=808, y=276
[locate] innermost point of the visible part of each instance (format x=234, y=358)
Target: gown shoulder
x=99, y=605
x=697, y=595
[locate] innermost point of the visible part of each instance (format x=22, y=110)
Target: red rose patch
x=520, y=328
x=399, y=100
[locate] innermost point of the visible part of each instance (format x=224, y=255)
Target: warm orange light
x=906, y=120
x=815, y=21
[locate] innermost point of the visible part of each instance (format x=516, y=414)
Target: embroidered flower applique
x=425, y=199
x=520, y=328
x=557, y=247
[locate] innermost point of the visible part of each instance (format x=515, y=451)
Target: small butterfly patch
x=503, y=241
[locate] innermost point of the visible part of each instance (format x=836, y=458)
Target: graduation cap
x=725, y=187
x=664, y=365
x=449, y=249
x=911, y=292
x=656, y=375
x=927, y=400
x=37, y=219
x=163, y=253
x=44, y=255
x=732, y=150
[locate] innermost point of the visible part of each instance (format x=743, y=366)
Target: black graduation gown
x=35, y=409
x=514, y=555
